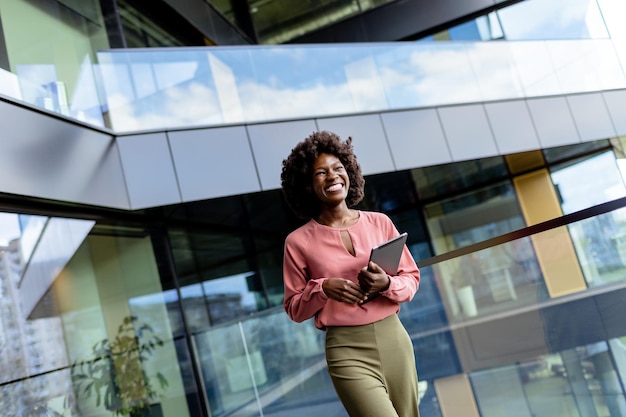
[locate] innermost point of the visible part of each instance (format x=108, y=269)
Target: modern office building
x=142, y=222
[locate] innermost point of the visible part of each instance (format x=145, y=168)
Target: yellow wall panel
x=456, y=398
x=555, y=250
x=558, y=262
x=537, y=197
x=519, y=163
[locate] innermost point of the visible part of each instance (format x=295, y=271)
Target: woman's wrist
x=386, y=287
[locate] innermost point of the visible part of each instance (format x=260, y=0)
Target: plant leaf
x=87, y=389
x=162, y=380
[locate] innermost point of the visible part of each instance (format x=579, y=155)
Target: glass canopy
x=141, y=89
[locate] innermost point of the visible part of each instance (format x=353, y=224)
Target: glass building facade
x=175, y=310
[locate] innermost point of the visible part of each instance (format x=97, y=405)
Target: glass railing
x=495, y=279
x=518, y=339
x=541, y=326
x=580, y=381
x=263, y=365
x=131, y=90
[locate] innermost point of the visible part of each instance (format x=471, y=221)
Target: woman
x=327, y=276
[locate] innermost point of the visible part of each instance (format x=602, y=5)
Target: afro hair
x=297, y=174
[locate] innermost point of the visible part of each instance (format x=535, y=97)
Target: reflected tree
x=116, y=374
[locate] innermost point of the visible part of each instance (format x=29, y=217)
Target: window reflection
x=574, y=382
x=483, y=28
x=150, y=308
x=492, y=280
x=553, y=19
x=588, y=181
x=109, y=276
x=218, y=284
x=112, y=278
x=145, y=95
x=618, y=351
x=36, y=395
x=604, y=382
x=443, y=180
x=31, y=228
x=600, y=242
x=196, y=311
x=565, y=153
x=267, y=360
x=473, y=217
x=500, y=392
x=227, y=260
x=230, y=297
x=533, y=19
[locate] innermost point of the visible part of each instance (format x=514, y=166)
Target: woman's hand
x=373, y=279
x=343, y=290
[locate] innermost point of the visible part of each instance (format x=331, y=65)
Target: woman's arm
x=404, y=285
x=303, y=297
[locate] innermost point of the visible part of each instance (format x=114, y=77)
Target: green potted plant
x=116, y=375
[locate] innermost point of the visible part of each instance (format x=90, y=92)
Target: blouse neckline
x=323, y=226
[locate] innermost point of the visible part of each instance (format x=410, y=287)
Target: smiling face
x=330, y=181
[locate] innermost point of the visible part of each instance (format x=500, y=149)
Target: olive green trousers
x=372, y=368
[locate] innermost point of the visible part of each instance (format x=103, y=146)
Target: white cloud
x=403, y=76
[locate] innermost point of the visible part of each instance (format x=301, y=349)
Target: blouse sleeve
x=404, y=285
x=303, y=297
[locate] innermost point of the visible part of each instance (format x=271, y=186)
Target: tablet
x=387, y=255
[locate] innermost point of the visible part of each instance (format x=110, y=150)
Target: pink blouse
x=315, y=252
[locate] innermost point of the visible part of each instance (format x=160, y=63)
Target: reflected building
x=29, y=347
x=141, y=153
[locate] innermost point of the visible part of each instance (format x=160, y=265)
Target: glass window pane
x=565, y=153
x=119, y=325
x=269, y=361
x=553, y=19
x=473, y=217
x=50, y=47
x=546, y=389
x=101, y=330
x=231, y=264
x=618, y=353
x=500, y=392
x=444, y=180
x=492, y=280
x=579, y=381
x=600, y=246
x=588, y=181
x=602, y=378
x=468, y=31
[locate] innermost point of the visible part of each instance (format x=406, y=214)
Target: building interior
x=142, y=223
